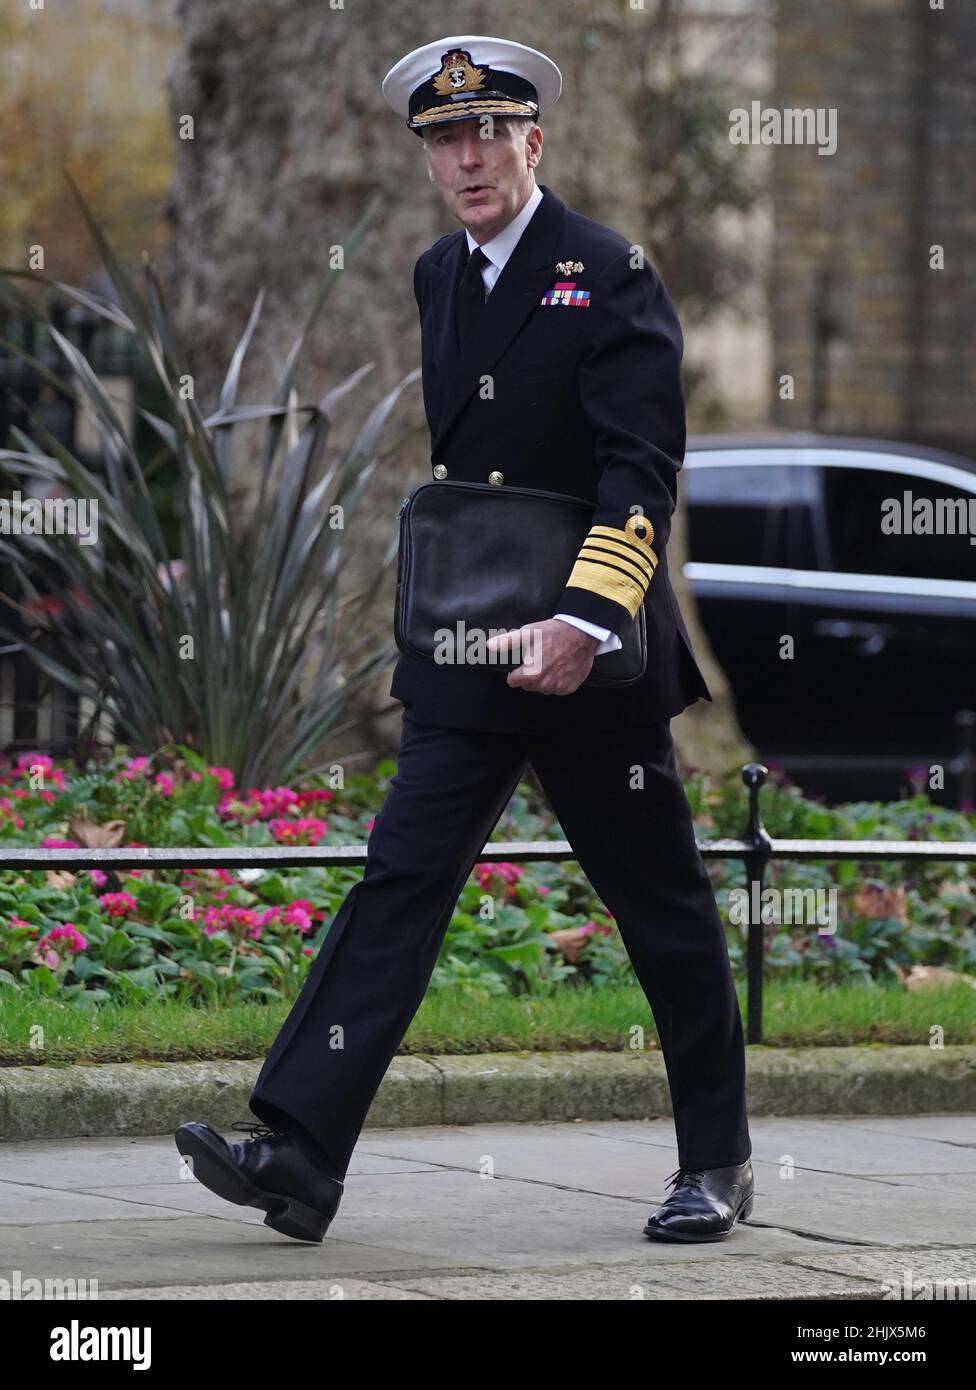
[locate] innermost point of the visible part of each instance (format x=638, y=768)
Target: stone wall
x=878, y=341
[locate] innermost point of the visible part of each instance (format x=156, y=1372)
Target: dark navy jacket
x=586, y=401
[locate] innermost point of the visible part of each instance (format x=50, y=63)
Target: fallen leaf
x=61, y=879
x=570, y=941
x=876, y=902
x=925, y=976
x=94, y=836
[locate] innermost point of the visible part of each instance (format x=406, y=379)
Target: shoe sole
x=660, y=1233
x=211, y=1167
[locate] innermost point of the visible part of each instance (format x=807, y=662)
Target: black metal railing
x=756, y=849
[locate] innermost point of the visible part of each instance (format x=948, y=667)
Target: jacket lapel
x=528, y=273
x=442, y=287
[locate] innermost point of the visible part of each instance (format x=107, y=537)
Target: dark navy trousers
x=636, y=844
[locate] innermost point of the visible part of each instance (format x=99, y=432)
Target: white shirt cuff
x=609, y=641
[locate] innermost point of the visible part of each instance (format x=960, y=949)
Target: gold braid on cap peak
x=617, y=564
x=490, y=106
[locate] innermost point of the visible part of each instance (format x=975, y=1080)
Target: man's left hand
x=557, y=656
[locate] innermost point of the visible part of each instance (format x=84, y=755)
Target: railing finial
x=754, y=775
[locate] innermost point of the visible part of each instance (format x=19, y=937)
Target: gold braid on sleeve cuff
x=617, y=564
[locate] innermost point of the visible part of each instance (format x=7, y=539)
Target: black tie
x=470, y=295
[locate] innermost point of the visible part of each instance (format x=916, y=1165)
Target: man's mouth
x=476, y=188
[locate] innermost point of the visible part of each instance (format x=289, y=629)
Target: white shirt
x=498, y=251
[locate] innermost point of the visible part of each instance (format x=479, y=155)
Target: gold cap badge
x=458, y=74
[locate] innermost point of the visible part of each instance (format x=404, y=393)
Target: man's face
x=484, y=171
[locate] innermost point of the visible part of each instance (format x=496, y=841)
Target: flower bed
x=219, y=935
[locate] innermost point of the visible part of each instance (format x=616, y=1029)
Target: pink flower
x=591, y=927
x=260, y=804
x=306, y=830
x=212, y=920
x=239, y=921
x=135, y=767
x=298, y=917
x=164, y=781
x=118, y=904
x=508, y=873
x=299, y=913
x=16, y=921
x=29, y=763
x=7, y=809
x=314, y=795
x=98, y=878
x=275, y=800
x=66, y=940
x=223, y=775
x=52, y=842
x=244, y=920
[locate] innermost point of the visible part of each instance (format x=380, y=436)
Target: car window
x=734, y=511
x=899, y=524
x=803, y=543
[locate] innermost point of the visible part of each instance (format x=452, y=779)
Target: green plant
x=243, y=643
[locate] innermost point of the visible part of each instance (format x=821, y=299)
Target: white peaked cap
x=469, y=75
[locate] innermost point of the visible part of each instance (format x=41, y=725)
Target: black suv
x=785, y=540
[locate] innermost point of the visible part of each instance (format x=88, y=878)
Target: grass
x=796, y=1015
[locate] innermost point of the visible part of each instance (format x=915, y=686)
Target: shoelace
x=257, y=1131
x=690, y=1177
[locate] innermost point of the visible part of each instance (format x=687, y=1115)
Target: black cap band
x=493, y=89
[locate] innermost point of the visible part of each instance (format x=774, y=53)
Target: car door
x=884, y=618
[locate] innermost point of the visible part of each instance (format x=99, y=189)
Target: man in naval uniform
x=573, y=329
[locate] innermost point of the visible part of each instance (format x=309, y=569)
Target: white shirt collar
x=504, y=243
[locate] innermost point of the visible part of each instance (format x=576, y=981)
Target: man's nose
x=472, y=150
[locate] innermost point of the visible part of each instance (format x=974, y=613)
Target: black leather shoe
x=705, y=1204
x=269, y=1171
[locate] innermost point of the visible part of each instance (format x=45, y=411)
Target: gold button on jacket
x=496, y=479
x=440, y=471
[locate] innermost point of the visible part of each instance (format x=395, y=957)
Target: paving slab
x=509, y=1211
